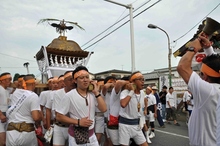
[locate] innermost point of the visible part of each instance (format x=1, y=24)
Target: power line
x=114, y=24
x=121, y=25
x=17, y=67
x=196, y=24
x=17, y=57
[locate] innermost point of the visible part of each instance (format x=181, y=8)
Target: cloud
x=22, y=37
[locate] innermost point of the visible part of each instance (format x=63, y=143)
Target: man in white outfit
x=60, y=134
x=44, y=95
x=109, y=84
x=22, y=116
x=80, y=104
x=114, y=107
x=205, y=89
x=132, y=104
x=152, y=109
x=171, y=107
x=185, y=98
x=5, y=81
x=99, y=116
x=50, y=114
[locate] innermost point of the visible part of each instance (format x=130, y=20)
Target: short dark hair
x=21, y=76
x=126, y=78
x=108, y=78
x=5, y=73
x=50, y=78
x=170, y=88
x=15, y=78
x=68, y=71
x=164, y=87
x=78, y=69
x=60, y=76
x=29, y=76
x=213, y=61
x=100, y=79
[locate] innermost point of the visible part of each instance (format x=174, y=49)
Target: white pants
x=99, y=124
x=150, y=117
x=114, y=136
x=15, y=138
x=130, y=131
x=92, y=139
x=60, y=135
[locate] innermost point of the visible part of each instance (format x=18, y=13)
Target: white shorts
x=21, y=138
x=93, y=141
x=99, y=124
x=150, y=117
x=114, y=136
x=3, y=126
x=60, y=135
x=130, y=131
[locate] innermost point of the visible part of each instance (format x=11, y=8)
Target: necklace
x=85, y=97
x=138, y=102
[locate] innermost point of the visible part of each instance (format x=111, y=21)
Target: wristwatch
x=191, y=49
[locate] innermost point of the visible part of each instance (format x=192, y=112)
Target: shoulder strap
x=18, y=104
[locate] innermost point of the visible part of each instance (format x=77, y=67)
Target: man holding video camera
x=205, y=88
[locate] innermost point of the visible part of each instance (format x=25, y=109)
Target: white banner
x=163, y=81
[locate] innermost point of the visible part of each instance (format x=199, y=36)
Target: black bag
x=81, y=135
x=151, y=108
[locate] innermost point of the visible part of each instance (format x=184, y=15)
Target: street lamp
x=131, y=31
x=152, y=26
x=26, y=66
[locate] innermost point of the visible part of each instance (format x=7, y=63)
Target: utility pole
x=130, y=7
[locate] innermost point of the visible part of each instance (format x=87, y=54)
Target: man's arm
x=36, y=115
x=155, y=110
x=83, y=122
x=48, y=117
x=106, y=87
x=161, y=94
x=2, y=117
x=184, y=66
x=119, y=84
x=101, y=104
x=125, y=101
x=145, y=106
x=167, y=100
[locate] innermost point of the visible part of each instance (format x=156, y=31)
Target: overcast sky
x=22, y=38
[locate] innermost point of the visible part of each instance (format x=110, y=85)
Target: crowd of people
x=79, y=111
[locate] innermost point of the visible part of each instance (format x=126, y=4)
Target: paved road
x=171, y=135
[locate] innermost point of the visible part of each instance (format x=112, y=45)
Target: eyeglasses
x=140, y=79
